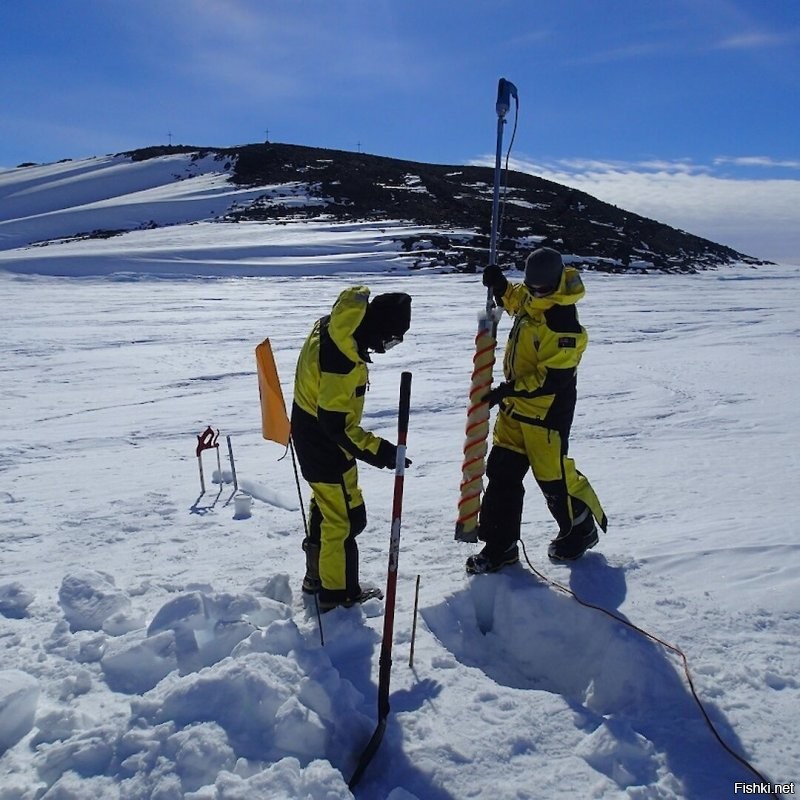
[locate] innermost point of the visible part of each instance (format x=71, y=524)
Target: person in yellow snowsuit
x=537, y=405
x=331, y=380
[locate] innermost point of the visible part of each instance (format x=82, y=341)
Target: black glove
x=494, y=279
x=387, y=455
x=500, y=391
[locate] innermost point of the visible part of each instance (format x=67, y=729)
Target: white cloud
x=758, y=161
x=633, y=51
x=754, y=40
x=281, y=51
x=757, y=217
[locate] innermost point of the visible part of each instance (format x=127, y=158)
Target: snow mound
x=232, y=696
x=135, y=663
x=14, y=600
x=191, y=631
x=286, y=780
x=89, y=598
x=19, y=694
x=206, y=627
x=251, y=698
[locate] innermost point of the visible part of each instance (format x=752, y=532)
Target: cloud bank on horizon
x=756, y=216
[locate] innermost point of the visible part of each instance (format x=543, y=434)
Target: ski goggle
x=540, y=291
x=391, y=342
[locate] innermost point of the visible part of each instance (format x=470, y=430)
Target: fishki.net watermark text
x=763, y=788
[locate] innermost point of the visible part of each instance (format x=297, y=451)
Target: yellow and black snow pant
x=337, y=511
x=337, y=516
x=518, y=446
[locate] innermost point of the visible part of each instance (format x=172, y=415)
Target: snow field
x=156, y=652
x=154, y=644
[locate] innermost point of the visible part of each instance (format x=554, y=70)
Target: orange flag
x=274, y=421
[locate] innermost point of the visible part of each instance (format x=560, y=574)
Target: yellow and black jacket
x=330, y=383
x=544, y=349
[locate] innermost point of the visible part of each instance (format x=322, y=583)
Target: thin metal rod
x=233, y=465
x=496, y=197
x=414, y=624
x=202, y=478
x=306, y=532
x=299, y=491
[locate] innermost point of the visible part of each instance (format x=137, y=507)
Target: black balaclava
x=387, y=319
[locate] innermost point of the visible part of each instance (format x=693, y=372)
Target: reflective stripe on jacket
x=544, y=349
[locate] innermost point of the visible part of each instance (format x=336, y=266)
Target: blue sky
x=687, y=111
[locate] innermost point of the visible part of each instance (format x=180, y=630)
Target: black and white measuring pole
x=391, y=582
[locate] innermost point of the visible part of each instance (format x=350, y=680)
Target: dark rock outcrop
x=455, y=201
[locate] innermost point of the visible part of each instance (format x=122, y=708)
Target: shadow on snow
x=633, y=705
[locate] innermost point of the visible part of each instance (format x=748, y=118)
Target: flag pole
x=275, y=425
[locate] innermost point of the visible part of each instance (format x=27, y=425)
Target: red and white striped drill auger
x=477, y=429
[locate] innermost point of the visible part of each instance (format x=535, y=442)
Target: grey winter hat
x=543, y=270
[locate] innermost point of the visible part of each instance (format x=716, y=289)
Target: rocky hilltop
x=455, y=202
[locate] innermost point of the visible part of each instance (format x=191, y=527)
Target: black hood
x=388, y=317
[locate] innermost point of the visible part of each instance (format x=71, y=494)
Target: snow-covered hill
x=278, y=209
x=154, y=644
x=72, y=212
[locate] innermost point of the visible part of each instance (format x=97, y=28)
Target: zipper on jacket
x=511, y=352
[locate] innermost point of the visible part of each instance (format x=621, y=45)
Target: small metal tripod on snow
x=209, y=440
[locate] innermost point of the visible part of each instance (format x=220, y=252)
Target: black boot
x=311, y=581
x=490, y=560
x=366, y=593
x=576, y=541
